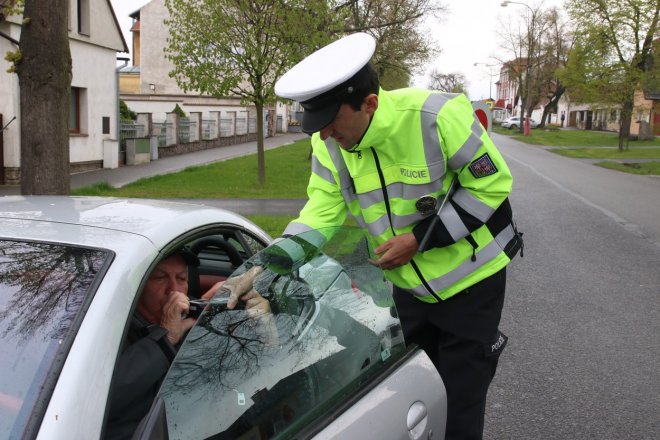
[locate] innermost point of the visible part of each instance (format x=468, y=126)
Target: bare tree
x=403, y=45
x=556, y=44
x=447, y=82
x=523, y=41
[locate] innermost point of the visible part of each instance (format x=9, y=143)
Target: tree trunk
x=44, y=75
x=261, y=158
x=552, y=104
x=624, y=124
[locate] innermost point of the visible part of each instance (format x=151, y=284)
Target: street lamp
x=490, y=73
x=508, y=2
x=530, y=41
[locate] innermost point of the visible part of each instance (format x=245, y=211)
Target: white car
x=329, y=362
x=514, y=122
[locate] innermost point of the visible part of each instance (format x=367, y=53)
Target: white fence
x=176, y=130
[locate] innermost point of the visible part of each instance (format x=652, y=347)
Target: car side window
x=331, y=329
x=45, y=290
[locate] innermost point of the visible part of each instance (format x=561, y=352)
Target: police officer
x=419, y=173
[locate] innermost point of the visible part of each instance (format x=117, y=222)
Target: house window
x=77, y=106
x=614, y=116
x=83, y=17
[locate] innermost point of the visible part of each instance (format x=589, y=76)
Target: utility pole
x=490, y=73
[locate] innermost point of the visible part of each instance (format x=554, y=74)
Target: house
x=593, y=116
x=507, y=92
x=94, y=39
x=146, y=86
x=584, y=116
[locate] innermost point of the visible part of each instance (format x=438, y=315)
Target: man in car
x=158, y=328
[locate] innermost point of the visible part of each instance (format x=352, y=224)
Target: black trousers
x=462, y=338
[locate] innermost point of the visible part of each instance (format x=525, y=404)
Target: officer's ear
x=371, y=104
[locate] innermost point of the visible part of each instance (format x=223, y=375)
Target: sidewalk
x=124, y=175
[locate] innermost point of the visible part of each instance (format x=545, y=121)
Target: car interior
x=220, y=254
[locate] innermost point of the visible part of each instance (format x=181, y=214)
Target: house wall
x=103, y=29
x=642, y=111
x=154, y=67
x=94, y=72
x=9, y=99
x=129, y=83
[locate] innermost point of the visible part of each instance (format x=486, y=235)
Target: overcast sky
x=467, y=35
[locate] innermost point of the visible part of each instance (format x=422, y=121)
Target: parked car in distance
x=514, y=122
x=329, y=360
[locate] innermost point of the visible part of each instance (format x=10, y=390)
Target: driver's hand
x=172, y=320
x=239, y=286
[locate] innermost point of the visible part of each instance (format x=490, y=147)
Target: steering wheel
x=208, y=242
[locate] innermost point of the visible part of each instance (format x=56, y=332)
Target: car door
x=328, y=359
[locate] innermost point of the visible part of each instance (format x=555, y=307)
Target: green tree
x=612, y=53
x=241, y=47
x=125, y=113
x=179, y=111
x=10, y=7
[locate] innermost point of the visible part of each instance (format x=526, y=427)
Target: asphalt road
x=582, y=306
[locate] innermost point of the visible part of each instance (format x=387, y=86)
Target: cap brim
x=315, y=120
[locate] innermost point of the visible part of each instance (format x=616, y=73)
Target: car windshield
x=43, y=288
x=332, y=329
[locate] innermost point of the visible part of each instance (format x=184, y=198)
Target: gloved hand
x=239, y=285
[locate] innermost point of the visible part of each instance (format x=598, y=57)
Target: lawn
x=287, y=172
x=583, y=144
x=574, y=138
x=609, y=153
x=645, y=168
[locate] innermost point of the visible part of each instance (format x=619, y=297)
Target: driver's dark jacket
x=138, y=375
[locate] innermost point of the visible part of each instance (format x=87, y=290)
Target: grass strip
x=643, y=168
x=609, y=153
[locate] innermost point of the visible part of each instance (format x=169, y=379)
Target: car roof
x=66, y=216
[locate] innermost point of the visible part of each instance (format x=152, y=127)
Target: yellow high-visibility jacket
x=416, y=143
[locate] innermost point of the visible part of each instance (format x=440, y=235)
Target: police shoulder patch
x=482, y=167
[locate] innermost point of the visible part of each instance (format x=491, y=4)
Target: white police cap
x=320, y=81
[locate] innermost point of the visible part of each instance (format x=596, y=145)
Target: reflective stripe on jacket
x=416, y=143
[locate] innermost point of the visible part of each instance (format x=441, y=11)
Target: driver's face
x=170, y=275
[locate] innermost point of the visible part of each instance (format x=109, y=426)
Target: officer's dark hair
x=365, y=82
